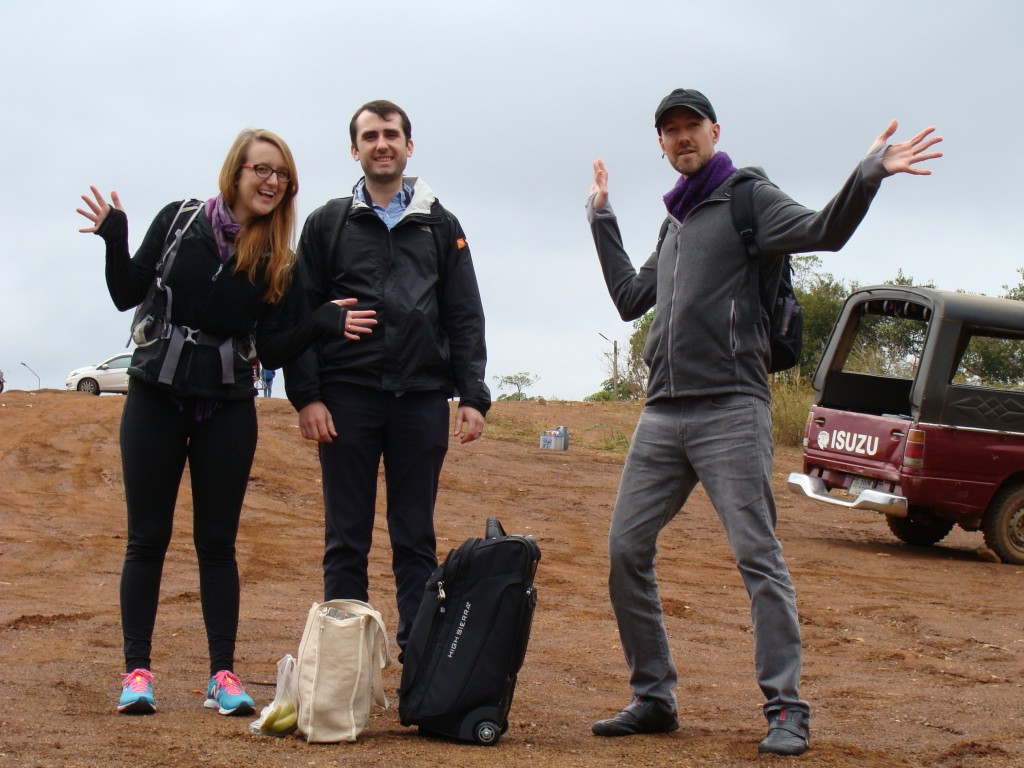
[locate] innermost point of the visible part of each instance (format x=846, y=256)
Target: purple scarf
x=690, y=191
x=225, y=228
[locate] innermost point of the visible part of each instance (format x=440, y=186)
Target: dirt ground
x=913, y=657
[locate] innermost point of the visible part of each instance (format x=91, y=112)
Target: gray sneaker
x=788, y=733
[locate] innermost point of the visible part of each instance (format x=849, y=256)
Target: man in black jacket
x=413, y=339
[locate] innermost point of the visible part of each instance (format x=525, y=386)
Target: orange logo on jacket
x=461, y=243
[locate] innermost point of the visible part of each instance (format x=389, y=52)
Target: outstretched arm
x=903, y=157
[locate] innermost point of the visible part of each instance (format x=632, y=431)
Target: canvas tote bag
x=343, y=650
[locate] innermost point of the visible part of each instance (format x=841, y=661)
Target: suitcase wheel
x=487, y=733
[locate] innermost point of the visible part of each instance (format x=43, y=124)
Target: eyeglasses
x=264, y=171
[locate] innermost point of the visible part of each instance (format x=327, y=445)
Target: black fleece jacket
x=206, y=295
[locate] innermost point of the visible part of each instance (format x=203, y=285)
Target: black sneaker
x=788, y=733
x=640, y=716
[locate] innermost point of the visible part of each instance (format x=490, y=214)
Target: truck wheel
x=922, y=529
x=1003, y=524
x=487, y=733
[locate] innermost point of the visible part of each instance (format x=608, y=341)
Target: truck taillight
x=913, y=456
x=807, y=427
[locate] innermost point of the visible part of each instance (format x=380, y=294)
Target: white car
x=109, y=376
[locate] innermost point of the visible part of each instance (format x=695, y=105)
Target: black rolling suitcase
x=469, y=638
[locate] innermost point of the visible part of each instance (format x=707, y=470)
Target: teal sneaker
x=137, y=693
x=226, y=694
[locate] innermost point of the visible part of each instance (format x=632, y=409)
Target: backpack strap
x=163, y=267
x=341, y=207
x=150, y=323
x=662, y=233
x=177, y=335
x=745, y=221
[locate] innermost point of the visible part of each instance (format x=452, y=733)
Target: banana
x=286, y=720
x=276, y=720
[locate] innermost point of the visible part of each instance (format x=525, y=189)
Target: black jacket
x=207, y=296
x=419, y=278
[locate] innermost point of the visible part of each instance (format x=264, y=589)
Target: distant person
x=708, y=412
x=268, y=381
x=1, y=381
x=401, y=254
x=190, y=396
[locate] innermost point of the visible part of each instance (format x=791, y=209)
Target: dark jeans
x=157, y=437
x=411, y=432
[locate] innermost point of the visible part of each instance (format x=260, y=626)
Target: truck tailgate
x=855, y=443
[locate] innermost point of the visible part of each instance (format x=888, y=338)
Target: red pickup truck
x=918, y=414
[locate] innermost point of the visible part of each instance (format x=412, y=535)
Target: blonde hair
x=273, y=234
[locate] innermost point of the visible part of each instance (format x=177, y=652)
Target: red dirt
x=913, y=657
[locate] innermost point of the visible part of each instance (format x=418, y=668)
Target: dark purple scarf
x=225, y=228
x=690, y=191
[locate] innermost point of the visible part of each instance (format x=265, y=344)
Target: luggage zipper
x=438, y=619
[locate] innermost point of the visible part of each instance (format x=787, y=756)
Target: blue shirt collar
x=395, y=208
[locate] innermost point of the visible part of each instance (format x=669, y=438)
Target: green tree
x=996, y=362
x=517, y=381
x=1017, y=291
x=821, y=298
x=632, y=383
x=893, y=347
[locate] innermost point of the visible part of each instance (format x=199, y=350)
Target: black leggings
x=158, y=435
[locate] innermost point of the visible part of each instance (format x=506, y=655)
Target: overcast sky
x=510, y=103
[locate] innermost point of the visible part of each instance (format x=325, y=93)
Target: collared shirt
x=396, y=207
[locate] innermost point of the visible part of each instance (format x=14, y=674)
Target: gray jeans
x=725, y=443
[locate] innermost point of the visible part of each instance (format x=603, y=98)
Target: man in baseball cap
x=708, y=412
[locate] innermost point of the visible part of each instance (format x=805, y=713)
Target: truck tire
x=921, y=528
x=1003, y=524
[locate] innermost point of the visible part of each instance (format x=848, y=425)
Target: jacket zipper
x=671, y=313
x=670, y=345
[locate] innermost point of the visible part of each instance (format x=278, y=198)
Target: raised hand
x=903, y=157
x=599, y=189
x=98, y=208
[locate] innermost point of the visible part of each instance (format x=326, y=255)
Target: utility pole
x=39, y=383
x=615, y=364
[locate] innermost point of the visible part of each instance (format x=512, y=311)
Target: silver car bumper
x=878, y=501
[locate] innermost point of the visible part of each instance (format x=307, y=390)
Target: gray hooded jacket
x=706, y=338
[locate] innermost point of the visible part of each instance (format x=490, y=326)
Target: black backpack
x=152, y=319
x=786, y=329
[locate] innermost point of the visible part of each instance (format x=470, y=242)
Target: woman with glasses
x=224, y=265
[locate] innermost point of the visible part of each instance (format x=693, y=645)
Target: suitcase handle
x=494, y=529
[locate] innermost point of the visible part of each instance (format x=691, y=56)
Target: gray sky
x=510, y=103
